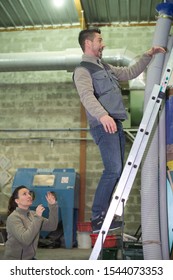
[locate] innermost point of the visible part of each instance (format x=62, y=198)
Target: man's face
x=96, y=46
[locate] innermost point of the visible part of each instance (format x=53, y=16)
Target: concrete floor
x=58, y=254
x=54, y=253
x=84, y=254
x=57, y=251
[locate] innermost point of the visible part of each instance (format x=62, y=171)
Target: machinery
x=64, y=184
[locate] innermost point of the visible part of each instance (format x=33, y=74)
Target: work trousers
x=112, y=147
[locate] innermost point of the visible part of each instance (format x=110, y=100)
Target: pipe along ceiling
x=64, y=60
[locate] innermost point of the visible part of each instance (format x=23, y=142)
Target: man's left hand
x=155, y=50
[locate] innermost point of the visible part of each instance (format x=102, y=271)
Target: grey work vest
x=107, y=89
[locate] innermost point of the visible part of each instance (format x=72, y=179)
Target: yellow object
x=170, y=165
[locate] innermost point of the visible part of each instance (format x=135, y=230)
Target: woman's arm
x=22, y=230
x=51, y=223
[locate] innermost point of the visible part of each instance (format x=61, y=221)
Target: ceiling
x=42, y=14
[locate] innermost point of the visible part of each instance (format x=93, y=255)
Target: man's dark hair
x=87, y=34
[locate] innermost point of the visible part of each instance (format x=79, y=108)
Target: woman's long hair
x=12, y=204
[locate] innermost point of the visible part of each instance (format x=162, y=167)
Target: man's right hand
x=109, y=124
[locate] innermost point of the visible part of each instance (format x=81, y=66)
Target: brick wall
x=47, y=99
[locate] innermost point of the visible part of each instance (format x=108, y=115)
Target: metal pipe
x=162, y=172
x=129, y=133
x=62, y=60
x=45, y=139
x=149, y=173
x=43, y=129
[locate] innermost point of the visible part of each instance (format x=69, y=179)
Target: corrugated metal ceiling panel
x=120, y=11
x=32, y=13
x=43, y=13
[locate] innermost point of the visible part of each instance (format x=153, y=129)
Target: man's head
x=91, y=42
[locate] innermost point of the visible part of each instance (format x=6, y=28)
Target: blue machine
x=64, y=183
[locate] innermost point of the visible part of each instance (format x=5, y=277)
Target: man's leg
x=112, y=152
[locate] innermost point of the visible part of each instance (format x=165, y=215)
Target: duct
x=67, y=60
x=162, y=172
x=136, y=87
x=63, y=60
x=44, y=61
x=149, y=173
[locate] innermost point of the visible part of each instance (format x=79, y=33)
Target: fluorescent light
x=58, y=3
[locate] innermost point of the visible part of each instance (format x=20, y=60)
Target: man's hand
x=108, y=124
x=155, y=50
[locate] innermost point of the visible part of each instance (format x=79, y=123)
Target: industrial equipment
x=64, y=183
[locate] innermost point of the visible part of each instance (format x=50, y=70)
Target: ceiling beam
x=80, y=12
x=83, y=134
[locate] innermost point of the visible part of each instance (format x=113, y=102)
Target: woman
x=24, y=226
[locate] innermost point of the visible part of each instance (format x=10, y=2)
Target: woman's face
x=24, y=199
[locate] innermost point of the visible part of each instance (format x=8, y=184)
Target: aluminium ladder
x=127, y=178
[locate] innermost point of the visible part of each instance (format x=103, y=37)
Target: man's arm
x=83, y=82
x=131, y=72
x=84, y=86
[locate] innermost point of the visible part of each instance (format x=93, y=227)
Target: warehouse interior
x=43, y=127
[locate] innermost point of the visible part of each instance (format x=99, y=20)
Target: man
x=97, y=84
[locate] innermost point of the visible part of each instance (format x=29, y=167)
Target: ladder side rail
x=103, y=232
x=146, y=126
x=161, y=93
x=118, y=196
x=136, y=144
x=125, y=188
x=131, y=163
x=138, y=158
